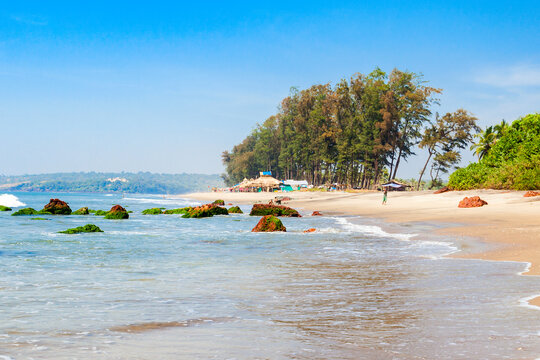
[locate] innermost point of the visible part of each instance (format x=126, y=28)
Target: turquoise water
x=163, y=287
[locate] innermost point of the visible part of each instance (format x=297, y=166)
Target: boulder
x=153, y=211
x=440, y=191
x=82, y=229
x=207, y=210
x=531, y=193
x=4, y=208
x=81, y=211
x=219, y=202
x=310, y=230
x=275, y=210
x=473, y=201
x=235, y=210
x=269, y=223
x=316, y=213
x=57, y=207
x=117, y=213
x=177, y=211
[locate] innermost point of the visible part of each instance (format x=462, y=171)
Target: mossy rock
x=56, y=207
x=235, y=210
x=25, y=212
x=207, y=210
x=219, y=202
x=5, y=208
x=38, y=218
x=99, y=212
x=178, y=211
x=153, y=211
x=88, y=228
x=117, y=213
x=269, y=223
x=275, y=210
x=81, y=211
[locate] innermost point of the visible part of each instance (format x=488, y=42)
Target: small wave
x=372, y=230
x=160, y=201
x=10, y=200
x=155, y=325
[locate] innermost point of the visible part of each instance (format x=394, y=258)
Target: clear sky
x=167, y=86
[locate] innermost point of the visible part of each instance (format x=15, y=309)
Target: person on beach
x=385, y=195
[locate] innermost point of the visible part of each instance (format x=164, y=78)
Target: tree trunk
x=424, y=169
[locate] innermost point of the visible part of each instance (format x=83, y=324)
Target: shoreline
x=508, y=225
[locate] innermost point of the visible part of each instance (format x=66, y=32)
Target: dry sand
x=510, y=222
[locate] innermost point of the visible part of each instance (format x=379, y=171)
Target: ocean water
x=163, y=287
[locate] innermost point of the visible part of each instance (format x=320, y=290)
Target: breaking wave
x=10, y=200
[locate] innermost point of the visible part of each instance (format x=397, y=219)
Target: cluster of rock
x=275, y=210
x=531, y=193
x=473, y=201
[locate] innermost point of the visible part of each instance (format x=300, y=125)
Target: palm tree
x=501, y=129
x=487, y=139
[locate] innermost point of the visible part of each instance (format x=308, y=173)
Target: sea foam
x=10, y=200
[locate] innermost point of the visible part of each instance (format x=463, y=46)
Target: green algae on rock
x=117, y=213
x=269, y=223
x=5, y=208
x=81, y=211
x=219, y=202
x=178, y=211
x=235, y=210
x=38, y=218
x=153, y=211
x=25, y=212
x=82, y=229
x=207, y=210
x=275, y=210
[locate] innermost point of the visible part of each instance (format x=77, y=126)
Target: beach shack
x=265, y=182
x=289, y=185
x=394, y=185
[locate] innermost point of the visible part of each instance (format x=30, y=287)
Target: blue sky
x=167, y=86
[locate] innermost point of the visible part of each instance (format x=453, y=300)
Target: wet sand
x=510, y=223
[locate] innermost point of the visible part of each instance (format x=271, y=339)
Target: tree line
x=355, y=133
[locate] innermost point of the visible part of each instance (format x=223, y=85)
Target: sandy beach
x=509, y=224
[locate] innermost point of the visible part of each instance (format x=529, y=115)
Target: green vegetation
x=356, y=133
x=275, y=210
x=82, y=229
x=98, y=212
x=25, y=211
x=207, y=210
x=5, y=208
x=153, y=211
x=81, y=211
x=235, y=210
x=38, y=218
x=177, y=211
x=219, y=202
x=509, y=158
x=142, y=182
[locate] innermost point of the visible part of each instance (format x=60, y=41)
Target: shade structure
x=265, y=181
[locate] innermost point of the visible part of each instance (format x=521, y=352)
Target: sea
x=164, y=287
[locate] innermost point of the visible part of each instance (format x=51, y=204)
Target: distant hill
x=142, y=182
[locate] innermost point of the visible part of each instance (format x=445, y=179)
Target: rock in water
x=310, y=230
x=152, y=211
x=25, y=211
x=235, y=210
x=57, y=207
x=207, y=210
x=117, y=213
x=316, y=213
x=81, y=211
x=269, y=223
x=275, y=210
x=473, y=201
x=4, y=208
x=219, y=202
x=82, y=229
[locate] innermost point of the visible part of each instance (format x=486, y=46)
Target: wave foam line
x=10, y=200
x=372, y=230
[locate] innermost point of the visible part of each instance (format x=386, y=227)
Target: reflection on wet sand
x=154, y=325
